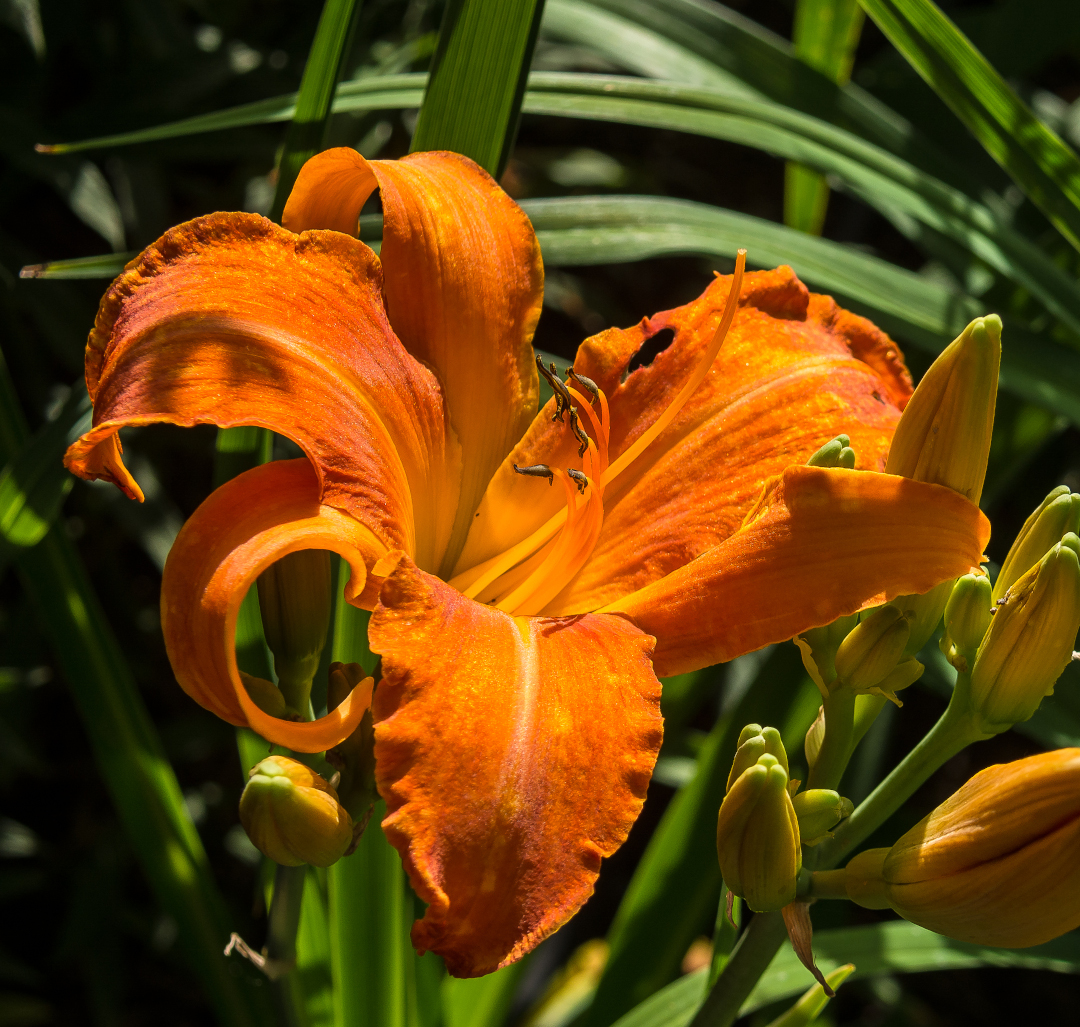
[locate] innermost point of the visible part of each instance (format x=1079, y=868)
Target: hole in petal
x=650, y=349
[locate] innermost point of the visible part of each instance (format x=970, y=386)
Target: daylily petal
x=463, y=288
x=513, y=754
x=242, y=528
x=826, y=543
x=794, y=372
x=232, y=320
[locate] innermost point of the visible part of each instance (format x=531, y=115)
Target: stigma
x=527, y=577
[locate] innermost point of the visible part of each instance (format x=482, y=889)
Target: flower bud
x=755, y=741
x=1030, y=640
x=967, y=618
x=923, y=614
x=295, y=601
x=292, y=815
x=819, y=810
x=944, y=433
x=995, y=864
x=1056, y=515
x=873, y=649
x=757, y=837
x=837, y=453
x=815, y=735
x=818, y=650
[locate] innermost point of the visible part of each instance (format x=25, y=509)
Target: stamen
x=649, y=436
x=598, y=424
x=537, y=471
x=562, y=397
x=575, y=427
x=587, y=383
x=556, y=555
x=580, y=480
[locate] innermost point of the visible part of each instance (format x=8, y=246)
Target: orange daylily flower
x=521, y=624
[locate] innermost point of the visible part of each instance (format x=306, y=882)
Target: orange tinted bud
x=944, y=434
x=995, y=864
x=292, y=815
x=873, y=649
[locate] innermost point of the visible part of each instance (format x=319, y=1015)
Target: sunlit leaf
x=825, y=36
x=914, y=309
x=1046, y=168
x=33, y=485
x=473, y=98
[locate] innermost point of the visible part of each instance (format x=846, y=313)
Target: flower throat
x=528, y=576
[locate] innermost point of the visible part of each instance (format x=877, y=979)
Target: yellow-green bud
x=757, y=837
x=1030, y=641
x=995, y=864
x=292, y=815
x=295, y=601
x=967, y=618
x=873, y=649
x=815, y=735
x=818, y=650
x=836, y=453
x=1056, y=515
x=754, y=742
x=944, y=433
x=923, y=614
x=903, y=675
x=819, y=810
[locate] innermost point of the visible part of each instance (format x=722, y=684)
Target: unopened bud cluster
x=764, y=822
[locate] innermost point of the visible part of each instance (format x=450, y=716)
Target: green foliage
x=895, y=947
x=307, y=131
x=473, y=99
x=825, y=36
x=1039, y=162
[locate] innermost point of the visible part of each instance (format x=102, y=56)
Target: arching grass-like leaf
x=877, y=176
x=894, y=947
x=1039, y=162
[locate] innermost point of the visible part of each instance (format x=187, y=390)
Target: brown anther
x=586, y=383
x=562, y=397
x=579, y=479
x=575, y=427
x=537, y=471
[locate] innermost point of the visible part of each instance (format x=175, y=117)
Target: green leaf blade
x=474, y=93
x=1034, y=156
